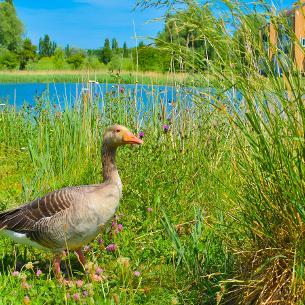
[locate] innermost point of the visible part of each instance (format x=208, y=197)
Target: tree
x=184, y=37
x=152, y=59
x=59, y=58
x=8, y=59
x=125, y=50
x=114, y=45
x=76, y=59
x=115, y=63
x=27, y=53
x=67, y=51
x=106, y=53
x=11, y=28
x=46, y=46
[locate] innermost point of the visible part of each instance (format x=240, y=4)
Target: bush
x=115, y=63
x=8, y=59
x=44, y=63
x=151, y=59
x=59, y=58
x=92, y=62
x=76, y=60
x=127, y=64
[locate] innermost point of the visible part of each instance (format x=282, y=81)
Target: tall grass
x=176, y=174
x=264, y=103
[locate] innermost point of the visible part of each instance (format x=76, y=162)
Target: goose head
x=118, y=135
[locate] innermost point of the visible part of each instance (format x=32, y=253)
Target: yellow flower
x=29, y=265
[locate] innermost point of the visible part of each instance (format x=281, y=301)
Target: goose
x=68, y=218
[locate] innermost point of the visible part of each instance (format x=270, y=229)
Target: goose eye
x=117, y=130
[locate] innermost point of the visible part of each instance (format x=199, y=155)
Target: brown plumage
x=71, y=217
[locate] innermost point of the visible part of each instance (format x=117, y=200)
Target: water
x=62, y=93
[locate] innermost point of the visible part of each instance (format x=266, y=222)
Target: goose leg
x=56, y=266
x=57, y=271
x=81, y=257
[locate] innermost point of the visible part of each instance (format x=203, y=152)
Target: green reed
x=265, y=105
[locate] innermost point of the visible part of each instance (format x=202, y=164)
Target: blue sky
x=86, y=23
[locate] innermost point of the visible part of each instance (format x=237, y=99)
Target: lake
x=61, y=93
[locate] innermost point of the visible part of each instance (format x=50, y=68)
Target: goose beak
x=130, y=138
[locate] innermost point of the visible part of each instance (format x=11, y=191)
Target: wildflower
x=100, y=241
x=79, y=283
x=29, y=265
x=38, y=272
x=25, y=285
x=96, y=278
x=85, y=293
x=165, y=128
x=98, y=271
x=149, y=209
x=68, y=283
x=76, y=296
x=141, y=135
x=26, y=300
x=120, y=227
x=90, y=266
x=113, y=224
x=86, y=248
x=122, y=89
x=15, y=273
x=68, y=296
x=175, y=301
x=137, y=273
x=111, y=247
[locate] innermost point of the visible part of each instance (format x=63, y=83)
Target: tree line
x=17, y=52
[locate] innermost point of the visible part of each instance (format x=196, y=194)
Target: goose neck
x=110, y=171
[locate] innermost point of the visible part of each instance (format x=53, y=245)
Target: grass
x=102, y=76
x=224, y=186
x=43, y=150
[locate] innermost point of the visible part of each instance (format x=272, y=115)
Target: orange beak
x=130, y=138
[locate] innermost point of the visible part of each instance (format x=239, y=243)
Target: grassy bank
x=213, y=208
x=171, y=189
x=104, y=76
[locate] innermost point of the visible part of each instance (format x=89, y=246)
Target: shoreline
x=124, y=77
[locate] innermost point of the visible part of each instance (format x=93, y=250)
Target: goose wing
x=39, y=221
x=24, y=219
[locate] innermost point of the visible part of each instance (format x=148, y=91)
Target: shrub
x=8, y=59
x=76, y=60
